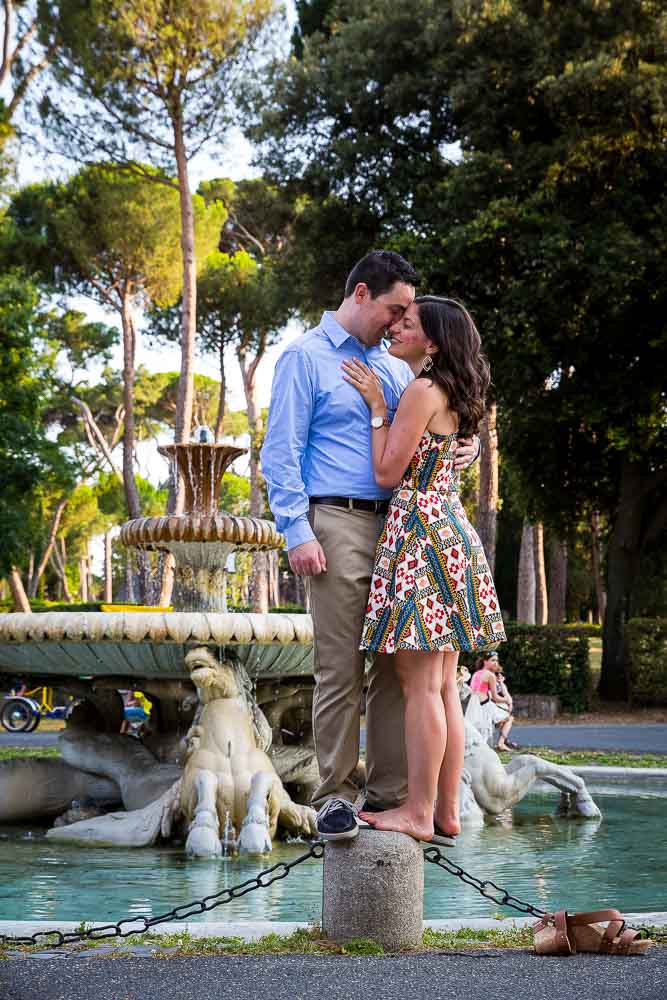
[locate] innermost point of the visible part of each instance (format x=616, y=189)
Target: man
x=317, y=464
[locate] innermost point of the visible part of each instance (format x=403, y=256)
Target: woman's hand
x=367, y=382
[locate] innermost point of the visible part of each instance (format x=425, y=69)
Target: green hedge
x=38, y=605
x=548, y=660
x=646, y=648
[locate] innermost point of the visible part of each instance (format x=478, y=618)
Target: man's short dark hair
x=380, y=270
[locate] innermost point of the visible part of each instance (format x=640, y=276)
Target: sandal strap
x=593, y=917
x=563, y=944
x=621, y=945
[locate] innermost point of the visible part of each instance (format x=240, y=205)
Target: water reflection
x=547, y=860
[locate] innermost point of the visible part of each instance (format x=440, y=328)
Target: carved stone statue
x=489, y=788
x=226, y=756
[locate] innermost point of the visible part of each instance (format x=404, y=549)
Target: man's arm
x=282, y=453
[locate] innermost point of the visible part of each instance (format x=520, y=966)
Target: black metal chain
x=485, y=887
x=128, y=926
x=498, y=895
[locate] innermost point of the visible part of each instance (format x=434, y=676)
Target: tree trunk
x=222, y=398
x=259, y=581
x=129, y=363
x=108, y=578
x=59, y=561
x=186, y=381
x=95, y=436
x=487, y=511
x=91, y=579
x=641, y=519
x=525, y=599
x=557, y=582
x=83, y=579
x=601, y=597
x=19, y=596
x=130, y=597
x=129, y=432
x=541, y=599
x=623, y=557
x=51, y=541
x=274, y=578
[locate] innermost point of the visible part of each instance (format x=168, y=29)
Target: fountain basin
x=151, y=644
x=544, y=859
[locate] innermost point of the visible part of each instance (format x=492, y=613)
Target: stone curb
x=252, y=930
x=620, y=773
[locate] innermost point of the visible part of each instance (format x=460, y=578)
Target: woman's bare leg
x=447, y=805
x=504, y=728
x=420, y=676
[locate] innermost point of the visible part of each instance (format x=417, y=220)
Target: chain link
x=139, y=925
x=485, y=887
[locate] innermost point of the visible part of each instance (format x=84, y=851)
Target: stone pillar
x=373, y=887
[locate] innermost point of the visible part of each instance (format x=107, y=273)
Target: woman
x=495, y=703
x=432, y=594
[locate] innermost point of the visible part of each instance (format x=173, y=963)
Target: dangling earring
x=427, y=363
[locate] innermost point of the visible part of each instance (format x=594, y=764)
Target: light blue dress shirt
x=318, y=439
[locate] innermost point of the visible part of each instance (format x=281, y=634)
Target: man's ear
x=361, y=292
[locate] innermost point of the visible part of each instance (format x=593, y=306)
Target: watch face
x=376, y=421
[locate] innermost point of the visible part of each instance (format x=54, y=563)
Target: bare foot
x=448, y=820
x=401, y=821
x=451, y=828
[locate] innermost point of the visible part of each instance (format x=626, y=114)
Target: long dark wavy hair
x=459, y=367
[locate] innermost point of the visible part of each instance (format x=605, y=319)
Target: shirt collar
x=337, y=334
x=334, y=331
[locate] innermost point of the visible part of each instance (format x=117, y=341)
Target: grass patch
x=595, y=758
x=305, y=941
x=466, y=937
x=10, y=753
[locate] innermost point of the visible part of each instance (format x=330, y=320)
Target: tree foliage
x=30, y=462
x=549, y=221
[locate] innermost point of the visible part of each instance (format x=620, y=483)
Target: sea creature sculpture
x=228, y=771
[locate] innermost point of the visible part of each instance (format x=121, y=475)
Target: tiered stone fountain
x=196, y=662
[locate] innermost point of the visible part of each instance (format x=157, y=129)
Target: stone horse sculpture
x=488, y=787
x=229, y=780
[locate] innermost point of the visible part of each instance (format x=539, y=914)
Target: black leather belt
x=353, y=503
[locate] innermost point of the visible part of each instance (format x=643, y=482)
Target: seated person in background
x=502, y=689
x=497, y=707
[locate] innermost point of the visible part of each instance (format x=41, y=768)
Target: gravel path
x=493, y=975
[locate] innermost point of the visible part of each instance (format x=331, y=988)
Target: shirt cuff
x=298, y=532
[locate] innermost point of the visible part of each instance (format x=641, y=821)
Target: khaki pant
x=338, y=603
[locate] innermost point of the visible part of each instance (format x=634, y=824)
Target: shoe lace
x=332, y=804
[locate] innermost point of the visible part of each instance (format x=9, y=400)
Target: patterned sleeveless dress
x=432, y=588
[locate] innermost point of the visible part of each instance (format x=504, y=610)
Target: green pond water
x=551, y=862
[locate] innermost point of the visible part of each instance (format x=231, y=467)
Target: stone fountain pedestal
x=373, y=887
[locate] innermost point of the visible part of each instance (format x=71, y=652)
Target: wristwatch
x=377, y=422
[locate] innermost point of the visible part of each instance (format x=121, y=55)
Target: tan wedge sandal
x=563, y=933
